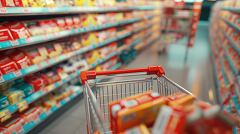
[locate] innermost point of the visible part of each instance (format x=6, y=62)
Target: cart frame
x=98, y=92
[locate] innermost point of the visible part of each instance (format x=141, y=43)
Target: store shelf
x=34, y=68
x=28, y=11
x=50, y=37
x=232, y=43
x=231, y=63
x=7, y=112
x=232, y=9
x=28, y=127
x=216, y=81
x=234, y=26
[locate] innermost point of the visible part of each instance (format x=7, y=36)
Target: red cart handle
x=87, y=75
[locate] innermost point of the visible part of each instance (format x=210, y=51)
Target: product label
x=162, y=120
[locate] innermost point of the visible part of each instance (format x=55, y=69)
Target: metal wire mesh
x=106, y=92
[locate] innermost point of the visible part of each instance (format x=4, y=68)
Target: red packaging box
x=51, y=77
x=35, y=81
x=61, y=23
x=31, y=114
x=18, y=30
x=69, y=22
x=11, y=3
x=21, y=59
x=77, y=22
x=5, y=34
x=7, y=65
x=12, y=126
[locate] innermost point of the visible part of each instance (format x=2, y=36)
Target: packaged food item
x=52, y=52
x=14, y=96
x=5, y=34
x=26, y=88
x=7, y=65
x=183, y=101
x=3, y=101
x=18, y=30
x=51, y=76
x=89, y=39
x=12, y=126
x=36, y=81
x=141, y=129
x=88, y=20
x=135, y=110
x=31, y=115
x=35, y=54
x=61, y=23
x=170, y=121
x=69, y=22
x=20, y=59
x=11, y=3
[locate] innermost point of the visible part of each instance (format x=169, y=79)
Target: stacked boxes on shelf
x=41, y=60
x=225, y=46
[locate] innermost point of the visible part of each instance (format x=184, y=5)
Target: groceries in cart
x=145, y=101
x=176, y=114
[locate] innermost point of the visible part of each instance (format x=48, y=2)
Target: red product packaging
x=170, y=121
x=69, y=22
x=7, y=65
x=33, y=53
x=31, y=114
x=77, y=22
x=134, y=110
x=61, y=23
x=18, y=30
x=11, y=3
x=5, y=34
x=12, y=126
x=35, y=81
x=21, y=59
x=51, y=77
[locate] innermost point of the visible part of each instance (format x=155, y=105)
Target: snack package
x=20, y=59
x=182, y=101
x=18, y=30
x=141, y=129
x=31, y=115
x=36, y=81
x=35, y=54
x=170, y=121
x=14, y=96
x=5, y=34
x=135, y=110
x=7, y=65
x=12, y=126
x=11, y=3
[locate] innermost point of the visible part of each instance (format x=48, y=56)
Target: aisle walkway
x=195, y=75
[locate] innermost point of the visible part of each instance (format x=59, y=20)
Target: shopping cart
x=121, y=83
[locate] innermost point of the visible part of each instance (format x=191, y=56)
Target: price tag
x=14, y=43
x=3, y=10
x=29, y=40
x=4, y=115
x=22, y=106
x=26, y=10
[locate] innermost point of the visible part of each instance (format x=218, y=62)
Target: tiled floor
x=195, y=75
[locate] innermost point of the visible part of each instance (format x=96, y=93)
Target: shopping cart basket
x=120, y=84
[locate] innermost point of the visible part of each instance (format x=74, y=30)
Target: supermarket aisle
x=195, y=74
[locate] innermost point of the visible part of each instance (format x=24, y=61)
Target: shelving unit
x=144, y=37
x=28, y=11
x=225, y=55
